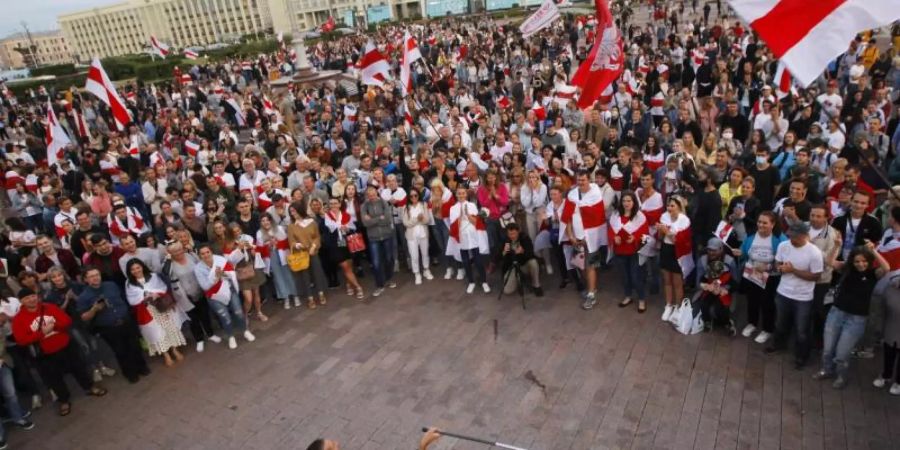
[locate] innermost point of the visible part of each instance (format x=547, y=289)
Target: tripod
x=520, y=285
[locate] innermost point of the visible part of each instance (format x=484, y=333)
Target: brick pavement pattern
x=371, y=374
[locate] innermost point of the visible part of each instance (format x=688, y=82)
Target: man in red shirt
x=44, y=327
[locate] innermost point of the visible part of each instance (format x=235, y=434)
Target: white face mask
x=727, y=135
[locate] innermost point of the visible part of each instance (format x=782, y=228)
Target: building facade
x=125, y=28
x=302, y=15
x=42, y=49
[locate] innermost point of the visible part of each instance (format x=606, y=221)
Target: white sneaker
x=200, y=347
x=879, y=382
x=249, y=336
x=428, y=275
x=895, y=389
x=667, y=313
x=418, y=279
x=297, y=302
x=486, y=287
x=460, y=275
x=449, y=273
x=215, y=339
x=763, y=337
x=377, y=292
x=36, y=402
x=232, y=342
x=748, y=330
x=470, y=288
x=287, y=303
x=549, y=269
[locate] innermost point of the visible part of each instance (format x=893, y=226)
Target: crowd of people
x=696, y=177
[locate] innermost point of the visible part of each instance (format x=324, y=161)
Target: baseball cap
x=715, y=243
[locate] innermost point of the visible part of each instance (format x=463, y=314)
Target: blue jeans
x=793, y=314
x=8, y=390
x=842, y=332
x=633, y=276
x=381, y=254
x=229, y=315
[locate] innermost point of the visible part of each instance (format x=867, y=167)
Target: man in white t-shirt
x=801, y=264
x=831, y=102
x=501, y=147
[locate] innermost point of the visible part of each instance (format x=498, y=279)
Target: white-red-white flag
x=56, y=139
x=410, y=54
x=158, y=48
x=605, y=62
x=540, y=19
x=81, y=124
x=134, y=147
x=563, y=94
x=807, y=35
x=190, y=54
x=99, y=84
x=192, y=148
x=784, y=84
x=374, y=66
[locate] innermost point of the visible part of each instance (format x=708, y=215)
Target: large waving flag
x=808, y=34
x=374, y=66
x=605, y=62
x=410, y=54
x=190, y=54
x=158, y=47
x=542, y=18
x=57, y=140
x=98, y=83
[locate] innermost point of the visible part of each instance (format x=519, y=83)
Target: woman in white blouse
x=416, y=217
x=534, y=201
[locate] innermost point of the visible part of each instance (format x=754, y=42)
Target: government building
x=125, y=28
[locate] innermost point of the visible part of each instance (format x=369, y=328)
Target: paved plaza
x=551, y=377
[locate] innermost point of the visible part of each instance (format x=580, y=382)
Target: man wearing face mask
x=735, y=121
x=766, y=176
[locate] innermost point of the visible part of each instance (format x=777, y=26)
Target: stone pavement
x=372, y=374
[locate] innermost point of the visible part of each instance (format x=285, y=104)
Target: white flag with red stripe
x=374, y=66
x=605, y=62
x=190, y=54
x=563, y=94
x=723, y=231
x=540, y=19
x=807, y=35
x=455, y=216
x=99, y=84
x=192, y=148
x=784, y=82
x=158, y=47
x=586, y=214
x=410, y=54
x=683, y=243
x=57, y=140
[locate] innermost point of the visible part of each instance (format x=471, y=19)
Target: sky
x=40, y=15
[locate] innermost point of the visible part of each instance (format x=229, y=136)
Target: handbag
x=244, y=269
x=356, y=243
x=298, y=261
x=164, y=302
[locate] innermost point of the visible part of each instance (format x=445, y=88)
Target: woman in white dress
x=161, y=329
